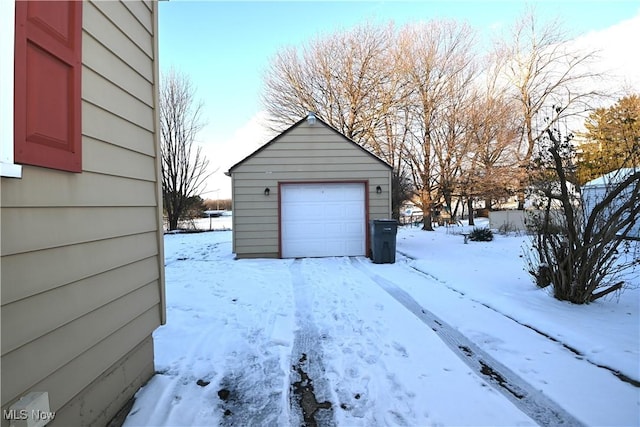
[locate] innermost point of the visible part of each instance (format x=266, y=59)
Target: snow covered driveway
x=253, y=342
x=386, y=367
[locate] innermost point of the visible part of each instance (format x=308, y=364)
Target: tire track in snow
x=526, y=398
x=621, y=376
x=310, y=390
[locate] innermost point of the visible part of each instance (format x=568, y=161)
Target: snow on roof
x=611, y=177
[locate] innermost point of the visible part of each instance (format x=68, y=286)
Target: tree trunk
x=447, y=202
x=521, y=199
x=470, y=207
x=426, y=220
x=426, y=211
x=454, y=213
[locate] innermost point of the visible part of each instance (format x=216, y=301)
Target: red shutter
x=47, y=98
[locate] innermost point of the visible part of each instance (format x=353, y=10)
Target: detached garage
x=309, y=192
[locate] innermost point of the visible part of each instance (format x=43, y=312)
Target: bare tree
x=340, y=76
x=436, y=58
x=545, y=72
x=581, y=245
x=451, y=142
x=492, y=134
x=349, y=79
x=411, y=96
x=184, y=168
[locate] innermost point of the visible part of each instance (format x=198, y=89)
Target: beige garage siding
x=304, y=153
x=82, y=261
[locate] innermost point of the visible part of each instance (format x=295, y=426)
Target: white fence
x=511, y=220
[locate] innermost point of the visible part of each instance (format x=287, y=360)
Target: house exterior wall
x=597, y=189
x=82, y=271
x=304, y=153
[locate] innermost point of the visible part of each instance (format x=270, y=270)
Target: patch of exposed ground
x=304, y=394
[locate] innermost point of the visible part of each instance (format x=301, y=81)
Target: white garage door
x=322, y=220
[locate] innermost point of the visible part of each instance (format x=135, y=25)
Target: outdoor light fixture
x=378, y=189
x=311, y=118
x=267, y=191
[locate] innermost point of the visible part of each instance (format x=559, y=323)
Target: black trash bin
x=383, y=240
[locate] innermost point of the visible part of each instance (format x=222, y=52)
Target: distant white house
x=410, y=209
x=594, y=191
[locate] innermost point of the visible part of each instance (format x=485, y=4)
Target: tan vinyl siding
x=109, y=65
x=71, y=340
x=127, y=23
x=116, y=40
x=48, y=188
x=131, y=136
x=82, y=268
x=97, y=257
x=304, y=153
x=252, y=225
x=54, y=227
x=140, y=11
x=136, y=367
x=41, y=313
x=105, y=94
x=260, y=234
x=80, y=371
x=317, y=173
x=261, y=209
x=267, y=158
x=110, y=159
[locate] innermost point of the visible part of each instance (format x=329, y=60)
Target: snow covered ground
x=451, y=334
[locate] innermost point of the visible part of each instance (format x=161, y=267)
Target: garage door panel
x=304, y=232
x=344, y=230
x=327, y=248
x=352, y=229
x=353, y=210
x=353, y=246
x=323, y=219
x=341, y=194
x=334, y=211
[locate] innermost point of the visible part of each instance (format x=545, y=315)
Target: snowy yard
x=451, y=334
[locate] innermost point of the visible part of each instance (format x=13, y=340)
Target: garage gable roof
x=318, y=120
